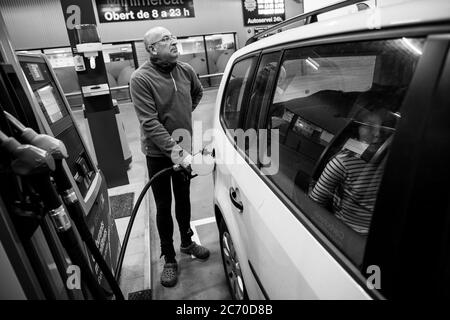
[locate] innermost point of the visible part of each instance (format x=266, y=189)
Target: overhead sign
x=135, y=10
x=257, y=12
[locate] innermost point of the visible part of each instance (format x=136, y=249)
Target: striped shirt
x=352, y=185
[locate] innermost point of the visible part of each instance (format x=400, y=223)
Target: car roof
x=388, y=15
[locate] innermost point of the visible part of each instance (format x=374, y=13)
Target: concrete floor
x=198, y=280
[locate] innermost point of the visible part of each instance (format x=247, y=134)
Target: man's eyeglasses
x=166, y=39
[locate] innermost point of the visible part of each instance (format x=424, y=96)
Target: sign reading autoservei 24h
x=135, y=10
x=257, y=12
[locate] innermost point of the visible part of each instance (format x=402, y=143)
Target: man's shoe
x=197, y=251
x=169, y=276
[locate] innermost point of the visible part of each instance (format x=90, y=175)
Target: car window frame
x=244, y=103
x=263, y=110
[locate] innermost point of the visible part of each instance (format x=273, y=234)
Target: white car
x=332, y=152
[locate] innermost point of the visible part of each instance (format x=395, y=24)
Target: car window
x=260, y=94
x=259, y=97
x=238, y=84
x=336, y=109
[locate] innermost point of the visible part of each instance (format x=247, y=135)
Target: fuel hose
x=133, y=217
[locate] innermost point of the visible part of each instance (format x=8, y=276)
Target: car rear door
x=282, y=255
x=295, y=248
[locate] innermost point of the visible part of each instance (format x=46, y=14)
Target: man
x=165, y=92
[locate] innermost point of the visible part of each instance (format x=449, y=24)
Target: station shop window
x=219, y=48
x=336, y=108
x=120, y=64
x=192, y=51
x=141, y=53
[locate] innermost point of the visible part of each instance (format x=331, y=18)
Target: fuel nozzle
x=35, y=164
x=53, y=146
x=48, y=143
x=177, y=167
x=28, y=159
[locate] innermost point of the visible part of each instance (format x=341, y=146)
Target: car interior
x=314, y=127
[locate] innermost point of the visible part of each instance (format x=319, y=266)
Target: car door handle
x=234, y=199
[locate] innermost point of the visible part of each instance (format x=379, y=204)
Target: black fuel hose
x=133, y=216
x=77, y=215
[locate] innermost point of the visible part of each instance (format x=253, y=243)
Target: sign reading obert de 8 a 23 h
x=257, y=12
x=135, y=10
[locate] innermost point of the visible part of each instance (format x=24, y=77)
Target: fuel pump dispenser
x=58, y=152
x=32, y=96
x=35, y=164
x=88, y=181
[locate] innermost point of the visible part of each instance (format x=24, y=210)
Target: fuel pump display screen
x=35, y=72
x=48, y=100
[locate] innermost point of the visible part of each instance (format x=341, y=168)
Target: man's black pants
x=163, y=197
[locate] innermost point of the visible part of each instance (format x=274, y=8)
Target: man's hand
x=185, y=167
x=186, y=163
